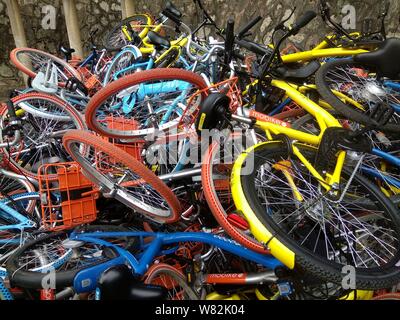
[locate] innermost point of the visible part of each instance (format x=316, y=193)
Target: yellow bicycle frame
x=148, y=48
x=175, y=45
x=322, y=50
x=324, y=120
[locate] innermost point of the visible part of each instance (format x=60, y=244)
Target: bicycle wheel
x=123, y=177
x=216, y=187
x=121, y=65
x=384, y=173
x=305, y=227
x=52, y=252
x=116, y=39
x=172, y=279
x=128, y=107
x=16, y=226
x=42, y=131
x=20, y=201
x=32, y=61
x=360, y=83
x=11, y=184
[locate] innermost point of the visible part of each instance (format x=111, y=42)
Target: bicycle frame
x=149, y=64
x=324, y=119
x=20, y=222
x=392, y=182
x=85, y=280
x=129, y=101
x=94, y=59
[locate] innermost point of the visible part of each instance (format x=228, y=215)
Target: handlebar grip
x=304, y=20
x=248, y=26
x=11, y=110
x=172, y=17
x=229, y=39
x=253, y=47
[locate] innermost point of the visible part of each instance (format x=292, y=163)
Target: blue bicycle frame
x=86, y=280
x=395, y=161
x=17, y=222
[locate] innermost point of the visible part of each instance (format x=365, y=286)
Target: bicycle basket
x=67, y=201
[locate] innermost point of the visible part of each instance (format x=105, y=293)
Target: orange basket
x=91, y=81
x=69, y=200
x=133, y=147
x=228, y=87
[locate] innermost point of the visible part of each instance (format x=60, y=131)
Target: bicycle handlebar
x=243, y=31
x=304, y=20
x=172, y=17
x=253, y=47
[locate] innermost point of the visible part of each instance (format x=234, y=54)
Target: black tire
x=64, y=278
x=109, y=45
x=381, y=276
x=346, y=110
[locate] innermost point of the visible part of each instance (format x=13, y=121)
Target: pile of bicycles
x=190, y=164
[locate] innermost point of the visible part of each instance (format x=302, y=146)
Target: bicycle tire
x=288, y=250
x=70, y=110
x=19, y=103
x=34, y=279
x=145, y=20
x=98, y=143
x=216, y=207
x=214, y=203
x=30, y=197
x=348, y=112
x=161, y=268
x=14, y=57
x=116, y=60
x=129, y=81
x=25, y=184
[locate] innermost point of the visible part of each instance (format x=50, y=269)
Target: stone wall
x=103, y=14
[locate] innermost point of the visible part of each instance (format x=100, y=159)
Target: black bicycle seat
x=172, y=9
x=385, y=59
x=157, y=40
x=301, y=73
x=67, y=52
x=118, y=283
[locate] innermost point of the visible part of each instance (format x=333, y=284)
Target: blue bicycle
x=79, y=260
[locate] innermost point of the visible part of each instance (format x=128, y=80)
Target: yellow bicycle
x=304, y=199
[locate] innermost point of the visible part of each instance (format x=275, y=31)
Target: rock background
x=103, y=14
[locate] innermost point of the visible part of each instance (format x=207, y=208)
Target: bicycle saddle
x=67, y=52
x=172, y=9
x=118, y=283
x=157, y=40
x=385, y=59
x=301, y=73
